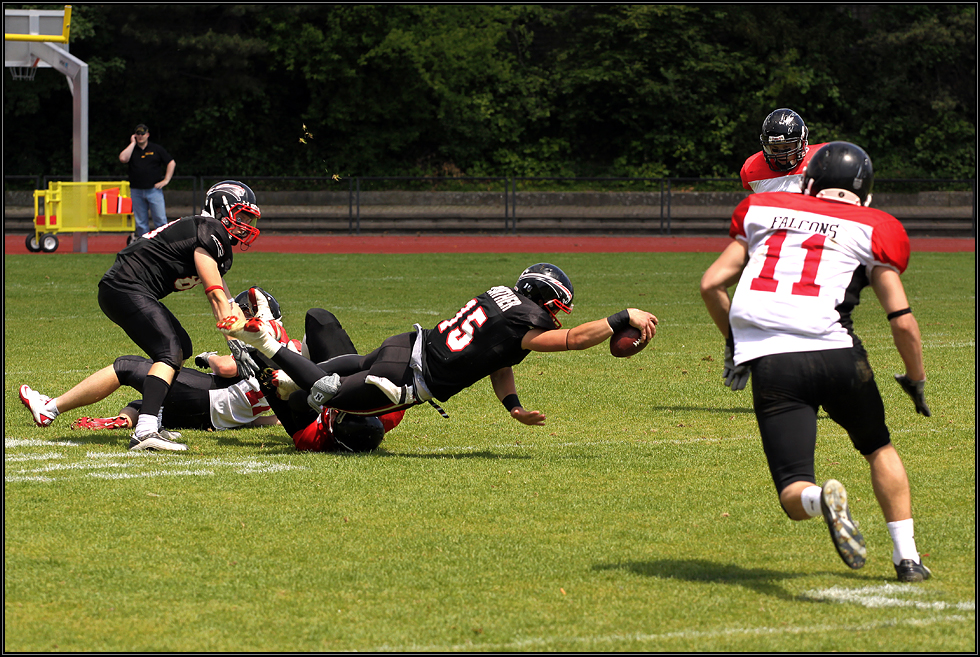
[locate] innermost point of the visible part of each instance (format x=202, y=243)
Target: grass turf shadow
x=761, y=580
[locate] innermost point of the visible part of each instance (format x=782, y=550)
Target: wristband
x=208, y=290
x=619, y=321
x=899, y=313
x=510, y=402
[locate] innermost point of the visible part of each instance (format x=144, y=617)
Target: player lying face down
x=490, y=334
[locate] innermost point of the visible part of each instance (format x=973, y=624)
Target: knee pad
x=325, y=337
x=131, y=370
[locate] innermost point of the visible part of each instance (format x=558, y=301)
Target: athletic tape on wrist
x=619, y=321
x=510, y=402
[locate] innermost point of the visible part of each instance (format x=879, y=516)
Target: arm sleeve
x=737, y=228
x=890, y=244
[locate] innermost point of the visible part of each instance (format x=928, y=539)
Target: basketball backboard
x=30, y=22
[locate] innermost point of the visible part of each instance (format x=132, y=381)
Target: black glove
x=917, y=391
x=247, y=367
x=736, y=376
x=201, y=360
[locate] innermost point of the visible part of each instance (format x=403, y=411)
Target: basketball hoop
x=24, y=72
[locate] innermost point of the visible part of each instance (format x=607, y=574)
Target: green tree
x=504, y=90
x=915, y=101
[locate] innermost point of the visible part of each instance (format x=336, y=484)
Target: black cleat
x=909, y=571
x=154, y=441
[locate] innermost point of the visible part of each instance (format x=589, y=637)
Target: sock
x=904, y=540
x=146, y=424
x=155, y=390
x=51, y=409
x=810, y=497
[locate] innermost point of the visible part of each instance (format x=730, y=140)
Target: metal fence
x=512, y=187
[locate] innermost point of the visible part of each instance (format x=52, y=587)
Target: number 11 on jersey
x=805, y=286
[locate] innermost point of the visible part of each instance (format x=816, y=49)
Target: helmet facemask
x=240, y=222
x=783, y=154
x=554, y=306
x=233, y=204
x=783, y=139
x=247, y=300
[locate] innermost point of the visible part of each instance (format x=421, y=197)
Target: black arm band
x=899, y=313
x=619, y=321
x=511, y=402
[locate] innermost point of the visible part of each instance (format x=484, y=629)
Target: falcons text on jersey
x=808, y=260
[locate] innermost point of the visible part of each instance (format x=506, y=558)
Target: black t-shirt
x=483, y=337
x=148, y=166
x=162, y=261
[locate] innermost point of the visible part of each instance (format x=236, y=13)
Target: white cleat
x=35, y=403
x=843, y=529
x=255, y=332
x=284, y=385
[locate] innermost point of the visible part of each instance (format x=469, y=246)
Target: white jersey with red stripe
x=242, y=402
x=808, y=260
x=237, y=405
x=758, y=177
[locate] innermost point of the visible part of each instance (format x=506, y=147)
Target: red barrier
x=111, y=243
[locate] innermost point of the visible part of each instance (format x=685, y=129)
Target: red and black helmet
x=233, y=203
x=548, y=286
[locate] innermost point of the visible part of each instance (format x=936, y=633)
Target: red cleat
x=120, y=422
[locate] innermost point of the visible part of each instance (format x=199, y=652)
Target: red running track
x=102, y=243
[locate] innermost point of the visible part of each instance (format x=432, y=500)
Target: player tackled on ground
x=490, y=334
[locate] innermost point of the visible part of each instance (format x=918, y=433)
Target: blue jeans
x=145, y=202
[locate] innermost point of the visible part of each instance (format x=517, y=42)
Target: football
x=626, y=342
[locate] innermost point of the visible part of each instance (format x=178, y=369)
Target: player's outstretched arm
x=506, y=391
x=721, y=275
x=585, y=336
x=223, y=366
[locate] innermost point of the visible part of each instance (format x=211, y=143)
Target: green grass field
x=641, y=517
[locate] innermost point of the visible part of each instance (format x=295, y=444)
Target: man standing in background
x=150, y=169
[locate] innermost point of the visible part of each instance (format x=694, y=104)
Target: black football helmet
x=233, y=203
x=840, y=171
x=783, y=139
x=355, y=433
x=247, y=302
x=549, y=287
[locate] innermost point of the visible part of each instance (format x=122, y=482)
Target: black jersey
x=148, y=166
x=483, y=337
x=162, y=261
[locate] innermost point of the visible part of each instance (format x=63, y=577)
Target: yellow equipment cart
x=80, y=207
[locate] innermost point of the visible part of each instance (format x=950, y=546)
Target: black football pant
x=391, y=361
x=787, y=390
